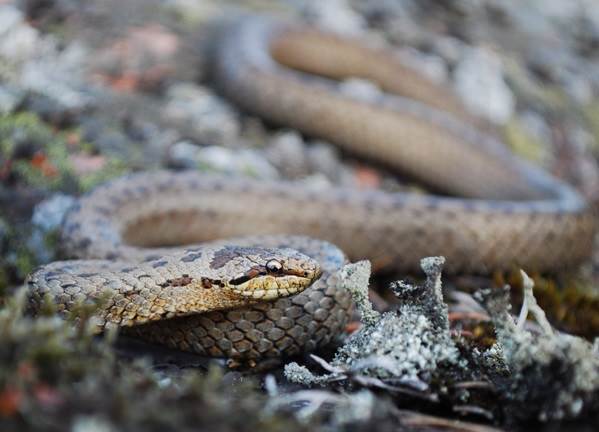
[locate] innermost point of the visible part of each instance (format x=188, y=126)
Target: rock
x=17, y=39
x=10, y=98
x=335, y=15
x=578, y=88
x=323, y=157
x=478, y=80
x=449, y=49
x=49, y=214
x=431, y=65
x=242, y=162
x=59, y=75
x=47, y=217
x=360, y=89
x=287, y=151
x=198, y=110
x=183, y=154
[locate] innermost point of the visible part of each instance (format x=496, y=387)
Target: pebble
x=478, y=80
x=430, y=65
x=287, y=152
x=334, y=15
x=206, y=116
x=10, y=98
x=244, y=161
x=59, y=75
x=360, y=89
x=49, y=214
x=17, y=39
x=47, y=217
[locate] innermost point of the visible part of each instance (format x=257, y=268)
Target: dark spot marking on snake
x=160, y=263
x=151, y=258
x=191, y=257
x=240, y=280
x=127, y=269
x=222, y=257
x=87, y=275
x=209, y=283
x=184, y=280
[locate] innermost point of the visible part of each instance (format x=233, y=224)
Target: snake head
x=267, y=274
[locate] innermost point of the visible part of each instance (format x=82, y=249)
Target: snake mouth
x=270, y=287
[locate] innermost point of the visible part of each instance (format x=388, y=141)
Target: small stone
x=201, y=113
x=49, y=214
x=335, y=15
x=10, y=98
x=247, y=162
x=430, y=65
x=479, y=82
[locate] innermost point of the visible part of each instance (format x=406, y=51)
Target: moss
x=571, y=303
x=522, y=143
x=530, y=91
x=55, y=376
x=40, y=156
x=591, y=115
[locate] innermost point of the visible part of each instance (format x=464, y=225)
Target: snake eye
x=274, y=266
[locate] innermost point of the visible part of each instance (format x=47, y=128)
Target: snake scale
x=274, y=294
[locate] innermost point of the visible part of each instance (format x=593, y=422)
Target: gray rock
x=479, y=82
x=430, y=65
x=449, y=48
x=323, y=157
x=248, y=162
x=287, y=152
x=47, y=217
x=335, y=15
x=10, y=98
x=17, y=39
x=183, y=154
x=49, y=214
x=360, y=89
x=206, y=116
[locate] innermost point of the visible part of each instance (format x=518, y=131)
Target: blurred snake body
x=223, y=299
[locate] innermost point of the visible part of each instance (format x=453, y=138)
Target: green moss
x=54, y=376
x=571, y=304
x=523, y=143
x=50, y=165
x=532, y=91
x=591, y=114
x=25, y=262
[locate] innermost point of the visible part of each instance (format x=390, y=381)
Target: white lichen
x=552, y=375
x=406, y=346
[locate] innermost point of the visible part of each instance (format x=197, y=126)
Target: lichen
x=553, y=376
x=407, y=346
x=571, y=303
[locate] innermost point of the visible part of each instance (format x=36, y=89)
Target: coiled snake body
x=197, y=299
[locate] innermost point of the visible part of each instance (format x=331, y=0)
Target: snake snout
x=278, y=277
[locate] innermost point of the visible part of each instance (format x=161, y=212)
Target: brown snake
x=511, y=213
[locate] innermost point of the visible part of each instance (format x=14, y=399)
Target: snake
x=167, y=253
